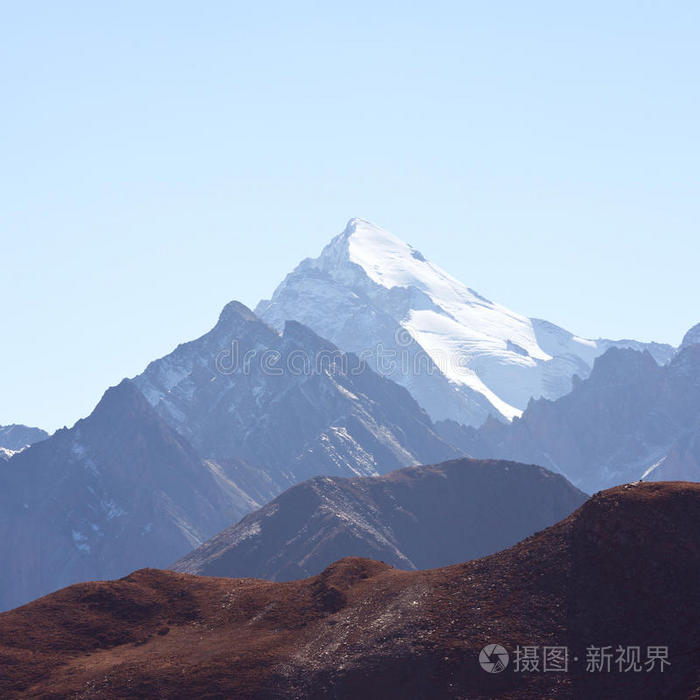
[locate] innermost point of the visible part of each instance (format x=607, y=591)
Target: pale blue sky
x=162, y=158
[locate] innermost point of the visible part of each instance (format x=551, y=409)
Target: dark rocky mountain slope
x=290, y=401
x=631, y=419
x=15, y=437
x=169, y=459
x=119, y=490
x=413, y=518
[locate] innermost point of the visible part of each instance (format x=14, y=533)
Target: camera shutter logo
x=493, y=658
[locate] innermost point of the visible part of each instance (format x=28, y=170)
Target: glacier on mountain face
x=462, y=356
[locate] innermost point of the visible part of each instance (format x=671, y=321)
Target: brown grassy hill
x=622, y=570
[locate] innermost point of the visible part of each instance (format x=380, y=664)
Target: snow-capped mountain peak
x=385, y=258
x=388, y=261
x=463, y=356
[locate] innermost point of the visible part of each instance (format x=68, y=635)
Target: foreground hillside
x=412, y=518
x=622, y=570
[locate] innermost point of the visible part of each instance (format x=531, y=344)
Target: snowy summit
x=462, y=356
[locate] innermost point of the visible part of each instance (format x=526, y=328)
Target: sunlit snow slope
x=462, y=356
